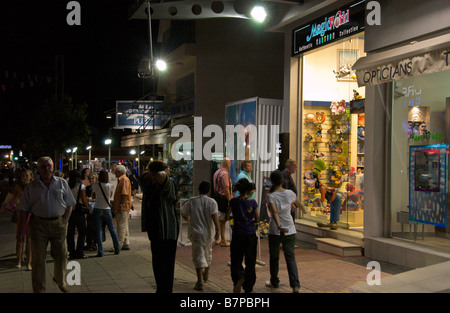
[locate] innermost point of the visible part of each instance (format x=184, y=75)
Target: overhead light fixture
x=108, y=116
x=258, y=13
x=161, y=65
x=107, y=141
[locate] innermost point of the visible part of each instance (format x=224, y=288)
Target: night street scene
x=199, y=149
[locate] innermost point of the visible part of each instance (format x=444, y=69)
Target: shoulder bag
x=107, y=201
x=80, y=207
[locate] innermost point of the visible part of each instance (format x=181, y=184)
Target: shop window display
x=332, y=128
x=420, y=134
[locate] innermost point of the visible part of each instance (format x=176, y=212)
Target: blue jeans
x=288, y=243
x=335, y=208
x=101, y=215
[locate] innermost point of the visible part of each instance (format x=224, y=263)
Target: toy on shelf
x=310, y=118
x=320, y=117
x=353, y=200
x=308, y=137
x=361, y=133
x=356, y=95
x=319, y=134
x=342, y=107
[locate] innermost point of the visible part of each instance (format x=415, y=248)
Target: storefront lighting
x=133, y=152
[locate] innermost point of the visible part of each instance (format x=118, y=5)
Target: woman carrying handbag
x=102, y=212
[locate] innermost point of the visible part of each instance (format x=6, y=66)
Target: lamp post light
x=74, y=150
x=108, y=143
x=89, y=149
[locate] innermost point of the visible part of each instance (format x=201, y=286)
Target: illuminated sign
x=334, y=26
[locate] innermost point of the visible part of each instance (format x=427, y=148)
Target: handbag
x=80, y=207
x=222, y=202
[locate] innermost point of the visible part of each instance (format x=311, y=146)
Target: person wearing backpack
x=102, y=212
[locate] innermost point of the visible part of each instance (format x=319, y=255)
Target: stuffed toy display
x=325, y=193
x=353, y=200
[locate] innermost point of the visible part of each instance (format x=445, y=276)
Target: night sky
x=101, y=56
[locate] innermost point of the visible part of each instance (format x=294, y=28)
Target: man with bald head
x=222, y=195
x=50, y=201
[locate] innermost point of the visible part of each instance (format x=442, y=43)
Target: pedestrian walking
x=244, y=240
x=282, y=231
x=102, y=212
x=160, y=219
x=201, y=212
x=22, y=178
x=49, y=200
x=222, y=194
x=122, y=206
x=77, y=219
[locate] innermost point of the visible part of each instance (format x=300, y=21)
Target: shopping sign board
x=336, y=25
x=140, y=115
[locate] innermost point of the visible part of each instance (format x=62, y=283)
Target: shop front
x=407, y=105
x=330, y=117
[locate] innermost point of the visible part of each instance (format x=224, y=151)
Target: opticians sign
x=334, y=26
x=421, y=64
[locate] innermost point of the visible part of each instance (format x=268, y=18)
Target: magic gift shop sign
x=331, y=27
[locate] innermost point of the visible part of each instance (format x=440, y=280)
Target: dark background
x=101, y=57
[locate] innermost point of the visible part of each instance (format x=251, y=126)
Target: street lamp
x=108, y=143
x=74, y=150
x=89, y=149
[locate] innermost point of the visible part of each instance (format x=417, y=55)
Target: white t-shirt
x=200, y=209
x=113, y=181
x=282, y=201
x=100, y=201
x=75, y=192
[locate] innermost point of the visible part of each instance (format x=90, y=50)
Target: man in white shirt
x=49, y=200
x=113, y=178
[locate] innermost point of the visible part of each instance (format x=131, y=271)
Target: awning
x=418, y=58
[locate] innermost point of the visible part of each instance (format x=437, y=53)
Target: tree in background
x=57, y=126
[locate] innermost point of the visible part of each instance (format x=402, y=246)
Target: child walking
x=201, y=212
x=243, y=240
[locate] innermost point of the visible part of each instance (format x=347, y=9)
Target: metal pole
x=109, y=157
x=90, y=167
x=150, y=34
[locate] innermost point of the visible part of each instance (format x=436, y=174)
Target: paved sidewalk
x=131, y=271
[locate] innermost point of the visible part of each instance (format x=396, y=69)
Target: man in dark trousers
x=160, y=219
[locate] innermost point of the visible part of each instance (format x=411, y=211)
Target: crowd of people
x=207, y=217
x=49, y=206
x=73, y=211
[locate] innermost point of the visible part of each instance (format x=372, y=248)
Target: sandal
x=198, y=285
x=64, y=288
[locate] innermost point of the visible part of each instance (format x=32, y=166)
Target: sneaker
x=295, y=290
x=270, y=285
x=333, y=226
x=126, y=247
